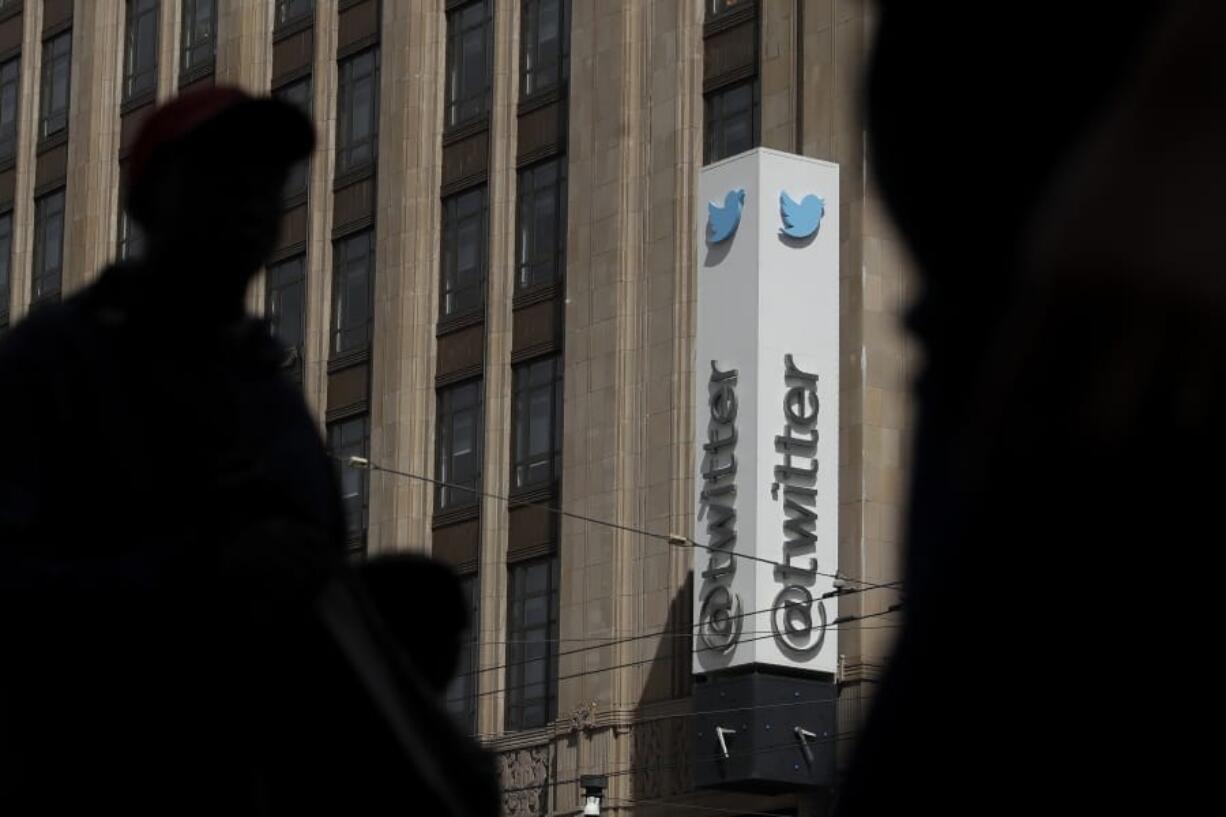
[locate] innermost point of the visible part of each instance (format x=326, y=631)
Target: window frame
x=52, y=122
x=131, y=240
x=452, y=224
x=339, y=278
x=137, y=12
x=293, y=193
x=519, y=644
x=282, y=17
x=39, y=275
x=355, y=534
x=446, y=497
x=454, y=80
x=526, y=195
x=346, y=148
x=522, y=392
x=190, y=43
x=710, y=130
x=719, y=9
x=530, y=49
x=9, y=134
x=274, y=291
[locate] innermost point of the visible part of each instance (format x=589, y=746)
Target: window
x=469, y=57
x=6, y=264
x=463, y=253
x=285, y=297
x=290, y=10
x=545, y=51
x=297, y=94
x=350, y=438
x=131, y=238
x=357, y=111
x=140, y=49
x=459, y=445
x=352, y=271
x=10, y=89
x=532, y=633
x=718, y=8
x=461, y=696
x=541, y=217
x=199, y=45
x=536, y=437
x=48, y=246
x=53, y=96
x=731, y=120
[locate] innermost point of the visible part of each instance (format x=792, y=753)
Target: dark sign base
x=778, y=730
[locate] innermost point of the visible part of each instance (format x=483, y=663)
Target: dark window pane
x=140, y=60
x=461, y=696
x=715, y=8
x=469, y=61
x=199, y=45
x=541, y=232
x=352, y=274
x=297, y=94
x=458, y=450
x=350, y=438
x=53, y=95
x=537, y=420
x=289, y=10
x=6, y=263
x=357, y=111
x=731, y=120
x=532, y=635
x=285, y=302
x=48, y=246
x=463, y=253
x=10, y=88
x=131, y=238
x=545, y=46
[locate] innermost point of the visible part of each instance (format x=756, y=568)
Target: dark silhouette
x=180, y=631
x=1055, y=179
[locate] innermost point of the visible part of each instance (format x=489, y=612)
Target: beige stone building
x=486, y=278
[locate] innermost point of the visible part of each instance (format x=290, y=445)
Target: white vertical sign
x=766, y=409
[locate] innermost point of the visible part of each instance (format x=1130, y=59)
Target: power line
x=613, y=640
x=640, y=662
x=673, y=539
x=610, y=641
x=835, y=626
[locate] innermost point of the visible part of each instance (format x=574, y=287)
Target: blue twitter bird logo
x=722, y=221
x=801, y=220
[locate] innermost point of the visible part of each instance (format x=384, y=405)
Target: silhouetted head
x=204, y=181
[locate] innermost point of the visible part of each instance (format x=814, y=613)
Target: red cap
x=264, y=124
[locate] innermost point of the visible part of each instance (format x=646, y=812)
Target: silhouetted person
x=1061, y=195
x=180, y=632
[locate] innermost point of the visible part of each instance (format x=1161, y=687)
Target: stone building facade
x=486, y=278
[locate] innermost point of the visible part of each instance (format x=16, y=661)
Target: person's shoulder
x=42, y=329
x=50, y=329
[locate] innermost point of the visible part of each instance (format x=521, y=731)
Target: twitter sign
x=765, y=414
x=801, y=220
x=722, y=220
